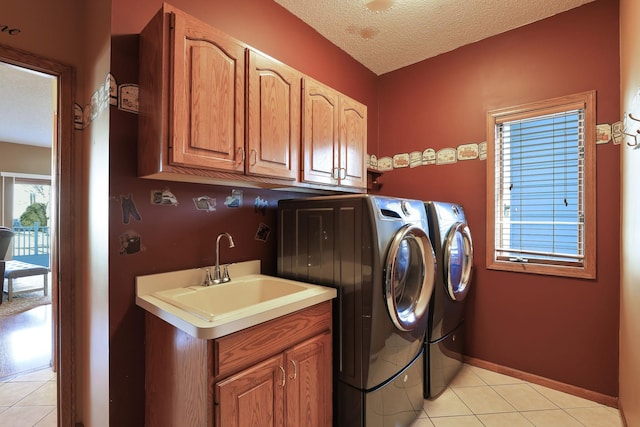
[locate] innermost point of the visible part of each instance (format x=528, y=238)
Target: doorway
x=26, y=321
x=60, y=224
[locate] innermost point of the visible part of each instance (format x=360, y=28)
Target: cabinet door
x=207, y=103
x=320, y=133
x=253, y=397
x=353, y=143
x=309, y=383
x=273, y=118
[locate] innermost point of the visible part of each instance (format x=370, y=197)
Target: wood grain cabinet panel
x=273, y=118
x=320, y=133
x=277, y=373
x=353, y=143
x=294, y=382
x=254, y=397
x=214, y=110
x=308, y=395
x=334, y=137
x=197, y=87
x=207, y=110
x=191, y=97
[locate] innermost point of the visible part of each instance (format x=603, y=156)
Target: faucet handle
x=225, y=274
x=208, y=280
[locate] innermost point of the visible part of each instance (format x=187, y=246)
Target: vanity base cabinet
x=278, y=373
x=177, y=372
x=308, y=394
x=287, y=390
x=253, y=397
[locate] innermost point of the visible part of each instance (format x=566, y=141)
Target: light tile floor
x=29, y=400
x=482, y=398
x=475, y=398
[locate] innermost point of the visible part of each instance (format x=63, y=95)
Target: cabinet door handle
x=295, y=370
x=335, y=173
x=254, y=157
x=284, y=376
x=343, y=173
x=240, y=155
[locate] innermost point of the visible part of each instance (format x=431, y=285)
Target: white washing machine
x=444, y=342
x=376, y=251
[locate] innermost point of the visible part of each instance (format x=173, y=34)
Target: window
x=541, y=187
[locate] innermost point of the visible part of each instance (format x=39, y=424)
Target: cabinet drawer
x=245, y=348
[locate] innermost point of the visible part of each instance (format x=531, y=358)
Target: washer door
x=458, y=261
x=410, y=276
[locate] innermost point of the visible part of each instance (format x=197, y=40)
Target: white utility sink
x=212, y=311
x=245, y=294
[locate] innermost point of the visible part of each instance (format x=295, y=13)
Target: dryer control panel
x=399, y=209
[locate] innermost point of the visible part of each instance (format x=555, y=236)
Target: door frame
x=63, y=191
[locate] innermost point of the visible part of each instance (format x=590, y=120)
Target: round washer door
x=410, y=276
x=458, y=261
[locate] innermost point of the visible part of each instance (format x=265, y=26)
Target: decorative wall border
x=605, y=133
x=124, y=97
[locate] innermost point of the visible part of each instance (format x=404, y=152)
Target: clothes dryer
x=377, y=252
x=453, y=246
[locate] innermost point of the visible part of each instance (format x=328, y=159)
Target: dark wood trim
x=546, y=382
x=63, y=219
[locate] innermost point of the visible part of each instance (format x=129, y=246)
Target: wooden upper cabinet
x=353, y=143
x=273, y=118
x=320, y=132
x=214, y=110
x=207, y=109
x=334, y=137
x=197, y=88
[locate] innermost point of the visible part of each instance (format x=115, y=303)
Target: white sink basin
x=209, y=312
x=244, y=294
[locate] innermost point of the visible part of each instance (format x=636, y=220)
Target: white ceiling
x=26, y=106
x=383, y=35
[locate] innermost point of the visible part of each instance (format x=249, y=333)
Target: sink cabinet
x=286, y=383
x=278, y=373
x=334, y=137
x=197, y=87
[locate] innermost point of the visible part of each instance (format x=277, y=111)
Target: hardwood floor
x=25, y=342
x=28, y=390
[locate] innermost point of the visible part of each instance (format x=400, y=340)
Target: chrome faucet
x=216, y=272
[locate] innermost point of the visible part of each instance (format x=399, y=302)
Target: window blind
x=540, y=173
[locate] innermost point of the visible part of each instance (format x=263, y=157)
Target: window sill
x=548, y=270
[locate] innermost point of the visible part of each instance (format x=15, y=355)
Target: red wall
x=559, y=328
x=180, y=237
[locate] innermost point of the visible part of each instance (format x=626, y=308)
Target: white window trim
x=586, y=101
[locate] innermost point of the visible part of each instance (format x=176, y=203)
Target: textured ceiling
x=385, y=35
x=26, y=106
